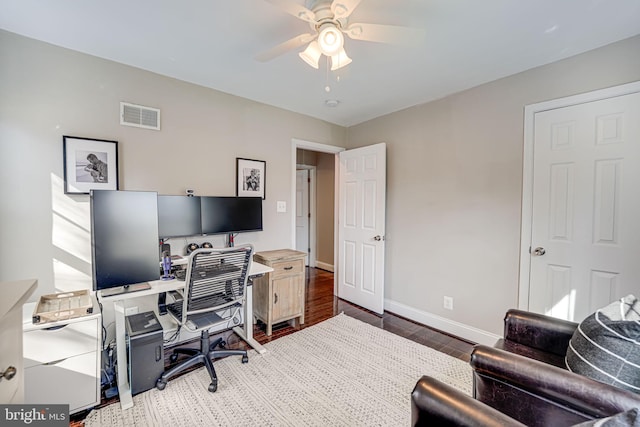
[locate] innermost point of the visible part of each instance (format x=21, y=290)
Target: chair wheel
x=245, y=359
x=160, y=385
x=213, y=386
x=173, y=357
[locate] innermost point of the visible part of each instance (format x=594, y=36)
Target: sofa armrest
x=538, y=331
x=500, y=378
x=435, y=403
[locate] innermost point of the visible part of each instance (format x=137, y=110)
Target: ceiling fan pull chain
x=327, y=88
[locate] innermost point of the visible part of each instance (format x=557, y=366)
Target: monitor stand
x=125, y=289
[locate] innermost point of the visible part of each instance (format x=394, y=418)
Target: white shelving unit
x=62, y=360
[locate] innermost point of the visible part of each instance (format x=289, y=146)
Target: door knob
x=378, y=238
x=8, y=374
x=539, y=251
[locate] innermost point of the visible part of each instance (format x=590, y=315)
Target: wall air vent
x=139, y=116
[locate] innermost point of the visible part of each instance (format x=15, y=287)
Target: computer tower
x=145, y=351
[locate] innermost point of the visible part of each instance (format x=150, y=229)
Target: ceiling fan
x=329, y=20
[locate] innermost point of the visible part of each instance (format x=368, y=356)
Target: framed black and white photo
x=89, y=164
x=250, y=178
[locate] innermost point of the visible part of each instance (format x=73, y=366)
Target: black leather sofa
x=523, y=378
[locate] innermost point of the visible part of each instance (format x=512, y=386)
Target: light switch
x=281, y=206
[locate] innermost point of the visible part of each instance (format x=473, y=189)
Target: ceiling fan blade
x=295, y=9
x=343, y=8
x=384, y=33
x=290, y=44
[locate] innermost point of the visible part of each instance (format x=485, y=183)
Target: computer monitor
x=124, y=240
x=231, y=214
x=178, y=216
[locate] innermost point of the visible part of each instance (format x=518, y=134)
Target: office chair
x=214, y=294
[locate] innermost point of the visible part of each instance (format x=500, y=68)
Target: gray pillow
x=623, y=419
x=606, y=345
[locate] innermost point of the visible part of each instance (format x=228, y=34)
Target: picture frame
x=89, y=164
x=251, y=178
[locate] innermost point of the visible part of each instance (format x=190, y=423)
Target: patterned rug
x=341, y=372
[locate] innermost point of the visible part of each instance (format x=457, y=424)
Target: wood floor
x=321, y=305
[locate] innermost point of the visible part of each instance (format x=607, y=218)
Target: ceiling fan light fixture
x=330, y=39
x=340, y=60
x=311, y=55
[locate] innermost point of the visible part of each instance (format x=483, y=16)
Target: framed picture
x=89, y=164
x=250, y=178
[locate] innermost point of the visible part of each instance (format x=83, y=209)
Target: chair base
x=204, y=355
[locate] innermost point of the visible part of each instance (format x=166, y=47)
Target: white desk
x=157, y=287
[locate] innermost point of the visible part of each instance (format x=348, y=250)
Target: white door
x=585, y=243
x=302, y=212
x=361, y=226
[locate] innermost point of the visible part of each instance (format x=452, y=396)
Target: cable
x=104, y=330
x=173, y=337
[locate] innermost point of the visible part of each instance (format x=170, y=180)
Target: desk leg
x=246, y=333
x=124, y=389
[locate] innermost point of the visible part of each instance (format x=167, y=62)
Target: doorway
x=322, y=198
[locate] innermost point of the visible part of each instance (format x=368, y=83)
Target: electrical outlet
x=130, y=310
x=448, y=303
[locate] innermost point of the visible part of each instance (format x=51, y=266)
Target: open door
x=361, y=226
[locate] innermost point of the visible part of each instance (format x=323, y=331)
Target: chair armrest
x=435, y=403
x=538, y=331
x=551, y=385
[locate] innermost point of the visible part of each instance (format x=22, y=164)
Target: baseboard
x=324, y=266
x=446, y=325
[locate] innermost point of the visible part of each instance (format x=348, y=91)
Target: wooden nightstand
x=279, y=295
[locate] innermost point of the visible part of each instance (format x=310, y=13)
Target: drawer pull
x=275, y=298
x=9, y=373
x=54, y=328
x=55, y=362
x=289, y=268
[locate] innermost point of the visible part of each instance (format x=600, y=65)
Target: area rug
x=340, y=372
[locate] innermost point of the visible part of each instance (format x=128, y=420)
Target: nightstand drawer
x=48, y=345
x=283, y=268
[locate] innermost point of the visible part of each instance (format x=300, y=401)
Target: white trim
x=323, y=148
x=527, y=171
x=324, y=266
x=314, y=214
x=461, y=330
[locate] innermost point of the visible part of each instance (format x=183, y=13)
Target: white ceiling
x=213, y=43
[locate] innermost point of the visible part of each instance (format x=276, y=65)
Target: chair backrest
x=215, y=283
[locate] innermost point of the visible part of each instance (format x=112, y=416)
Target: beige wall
x=47, y=92
x=454, y=169
x=325, y=196
x=454, y=177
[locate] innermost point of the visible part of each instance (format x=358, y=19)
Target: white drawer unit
x=62, y=360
